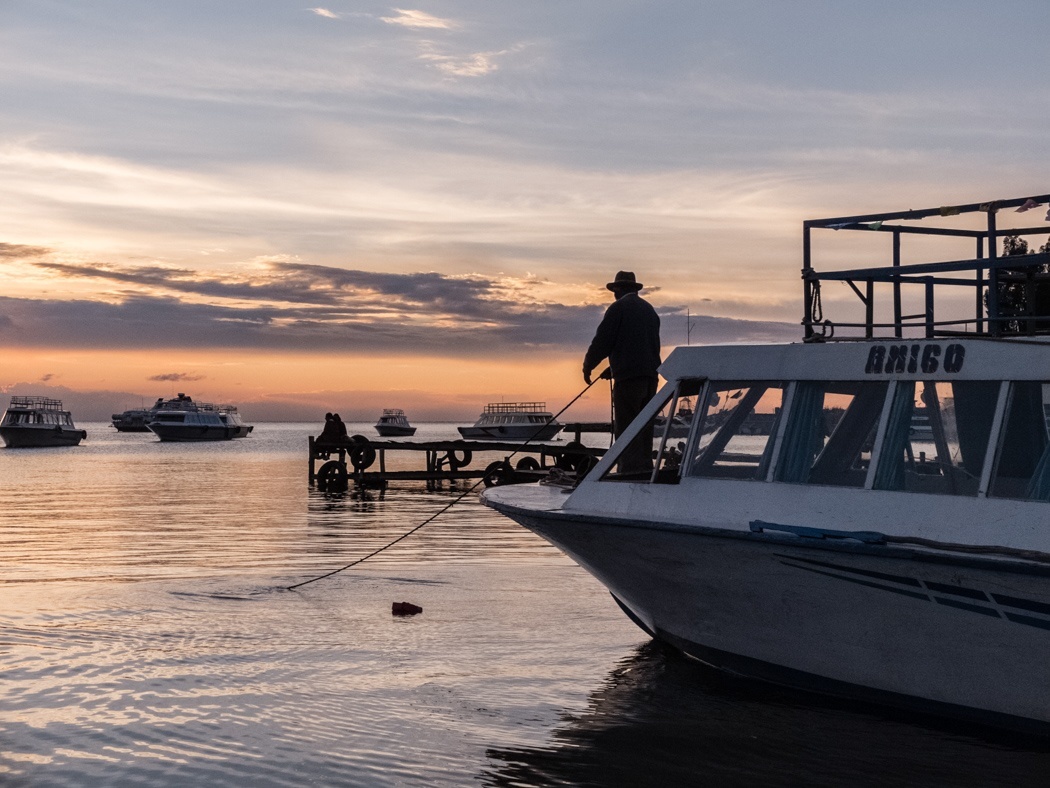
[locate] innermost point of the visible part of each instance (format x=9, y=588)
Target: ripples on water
x=147, y=640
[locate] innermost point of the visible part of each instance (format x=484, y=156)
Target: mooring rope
x=448, y=506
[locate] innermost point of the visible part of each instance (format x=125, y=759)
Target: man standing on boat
x=629, y=336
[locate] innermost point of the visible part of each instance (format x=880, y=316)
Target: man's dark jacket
x=629, y=336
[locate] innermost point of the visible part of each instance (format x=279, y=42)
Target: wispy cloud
x=175, y=377
x=21, y=251
x=476, y=65
x=296, y=306
x=285, y=292
x=421, y=19
x=325, y=13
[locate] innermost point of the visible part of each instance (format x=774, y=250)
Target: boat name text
x=927, y=358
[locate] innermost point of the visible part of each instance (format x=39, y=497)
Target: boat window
x=937, y=436
x=830, y=432
x=736, y=437
x=671, y=429
x=1023, y=467
x=634, y=461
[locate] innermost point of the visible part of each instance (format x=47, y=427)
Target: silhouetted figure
x=339, y=426
x=629, y=336
x=330, y=433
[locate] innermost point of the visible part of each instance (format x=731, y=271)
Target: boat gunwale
x=1001, y=558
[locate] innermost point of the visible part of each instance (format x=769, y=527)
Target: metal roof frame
x=988, y=272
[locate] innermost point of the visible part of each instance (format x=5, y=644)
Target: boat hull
x=132, y=421
x=38, y=437
x=394, y=431
x=131, y=427
x=512, y=432
x=960, y=637
x=199, y=432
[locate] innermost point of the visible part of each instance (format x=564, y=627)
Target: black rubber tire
x=333, y=477
x=569, y=461
x=361, y=454
x=459, y=458
x=527, y=464
x=498, y=473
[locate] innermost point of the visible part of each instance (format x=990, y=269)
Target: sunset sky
x=362, y=205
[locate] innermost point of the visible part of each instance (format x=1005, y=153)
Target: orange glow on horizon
x=300, y=385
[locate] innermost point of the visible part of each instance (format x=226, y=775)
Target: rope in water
x=446, y=507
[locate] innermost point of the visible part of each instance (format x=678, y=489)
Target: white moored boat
x=38, y=422
x=394, y=423
x=843, y=551
x=513, y=421
x=182, y=419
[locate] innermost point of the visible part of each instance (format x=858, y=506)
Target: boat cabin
x=37, y=410
x=885, y=416
x=843, y=415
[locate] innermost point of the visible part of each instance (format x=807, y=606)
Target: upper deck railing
x=35, y=403
x=1010, y=293
x=516, y=407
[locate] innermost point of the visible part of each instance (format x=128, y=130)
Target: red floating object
x=405, y=609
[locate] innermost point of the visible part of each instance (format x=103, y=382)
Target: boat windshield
x=942, y=437
x=1023, y=466
x=937, y=437
x=656, y=453
x=736, y=438
x=830, y=434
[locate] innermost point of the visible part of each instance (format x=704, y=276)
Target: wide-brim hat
x=624, y=281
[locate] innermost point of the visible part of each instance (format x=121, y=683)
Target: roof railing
x=516, y=407
x=36, y=403
x=1010, y=293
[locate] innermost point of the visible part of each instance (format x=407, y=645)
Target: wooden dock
x=365, y=462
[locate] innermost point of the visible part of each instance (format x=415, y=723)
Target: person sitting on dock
x=629, y=336
x=330, y=433
x=340, y=427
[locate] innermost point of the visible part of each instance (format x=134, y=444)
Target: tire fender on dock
x=333, y=477
x=498, y=473
x=362, y=454
x=459, y=458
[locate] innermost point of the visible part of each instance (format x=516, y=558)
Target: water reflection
x=662, y=719
x=148, y=640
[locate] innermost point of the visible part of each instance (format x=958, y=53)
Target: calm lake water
x=147, y=639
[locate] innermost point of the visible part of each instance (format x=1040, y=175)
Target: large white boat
x=35, y=422
x=182, y=419
x=513, y=421
x=394, y=423
x=830, y=553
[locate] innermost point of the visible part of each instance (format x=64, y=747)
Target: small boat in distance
x=514, y=421
x=393, y=423
x=35, y=422
x=135, y=419
x=182, y=419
